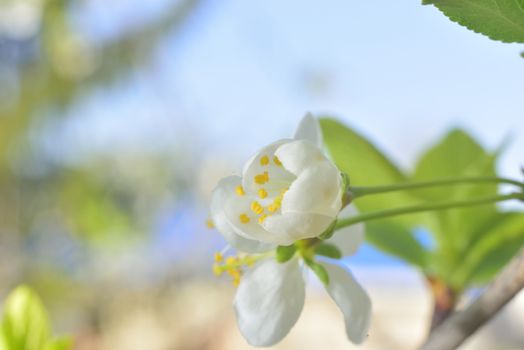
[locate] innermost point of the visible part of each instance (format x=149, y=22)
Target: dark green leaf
x=284, y=253
x=319, y=270
x=501, y=20
x=329, y=250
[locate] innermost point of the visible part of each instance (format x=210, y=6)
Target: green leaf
x=368, y=166
x=503, y=237
x=284, y=253
x=395, y=240
x=328, y=233
x=319, y=270
x=329, y=250
x=501, y=20
x=62, y=343
x=25, y=325
x=458, y=154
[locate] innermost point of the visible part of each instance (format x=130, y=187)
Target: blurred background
x=118, y=118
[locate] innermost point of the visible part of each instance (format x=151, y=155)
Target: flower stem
x=425, y=207
x=360, y=191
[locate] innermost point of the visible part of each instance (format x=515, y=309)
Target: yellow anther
x=272, y=208
x=219, y=257
x=277, y=161
x=236, y=281
x=262, y=218
x=257, y=208
x=262, y=193
x=264, y=160
x=210, y=223
x=262, y=178
x=243, y=218
x=240, y=190
x=230, y=260
x=278, y=201
x=217, y=270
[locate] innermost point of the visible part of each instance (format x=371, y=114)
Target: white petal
x=269, y=301
x=317, y=189
x=351, y=299
x=290, y=227
x=349, y=238
x=299, y=155
x=220, y=197
x=253, y=167
x=309, y=129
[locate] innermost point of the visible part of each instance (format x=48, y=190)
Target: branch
x=458, y=327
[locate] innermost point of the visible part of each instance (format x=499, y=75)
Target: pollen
x=257, y=208
x=219, y=257
x=264, y=160
x=272, y=208
x=230, y=260
x=262, y=178
x=244, y=218
x=277, y=161
x=262, y=218
x=240, y=190
x=210, y=224
x=262, y=193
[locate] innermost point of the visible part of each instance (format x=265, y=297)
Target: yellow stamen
x=264, y=160
x=231, y=260
x=236, y=281
x=283, y=191
x=210, y=224
x=262, y=178
x=277, y=161
x=219, y=257
x=244, y=218
x=262, y=193
x=257, y=208
x=240, y=190
x=272, y=208
x=262, y=218
x=217, y=270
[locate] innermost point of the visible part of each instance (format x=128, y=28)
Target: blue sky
x=242, y=73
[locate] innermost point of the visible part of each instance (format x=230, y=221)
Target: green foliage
x=501, y=20
x=25, y=324
x=319, y=270
x=457, y=154
x=329, y=250
x=285, y=253
x=366, y=165
x=472, y=244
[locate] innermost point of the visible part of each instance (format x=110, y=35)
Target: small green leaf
x=25, y=325
x=284, y=253
x=319, y=270
x=329, y=250
x=501, y=20
x=62, y=343
x=328, y=233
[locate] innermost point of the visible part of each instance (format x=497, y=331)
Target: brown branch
x=458, y=327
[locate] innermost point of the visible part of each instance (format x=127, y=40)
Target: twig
x=459, y=326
